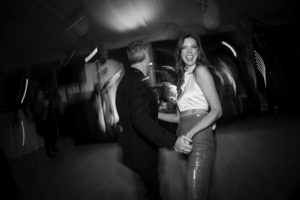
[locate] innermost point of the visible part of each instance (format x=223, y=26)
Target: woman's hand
x=183, y=144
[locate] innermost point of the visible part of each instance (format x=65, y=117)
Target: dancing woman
x=198, y=109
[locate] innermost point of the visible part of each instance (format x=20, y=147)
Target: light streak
x=230, y=47
x=89, y=57
x=23, y=133
x=168, y=67
x=146, y=78
x=227, y=73
x=69, y=58
x=260, y=66
x=25, y=90
x=75, y=23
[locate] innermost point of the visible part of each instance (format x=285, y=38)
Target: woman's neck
x=189, y=68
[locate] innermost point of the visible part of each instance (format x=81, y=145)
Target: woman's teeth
x=189, y=57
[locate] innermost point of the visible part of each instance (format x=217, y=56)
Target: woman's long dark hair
x=180, y=65
x=220, y=67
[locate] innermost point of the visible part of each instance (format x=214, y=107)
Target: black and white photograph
x=149, y=100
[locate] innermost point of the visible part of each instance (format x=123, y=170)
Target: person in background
x=198, y=109
x=141, y=136
x=44, y=117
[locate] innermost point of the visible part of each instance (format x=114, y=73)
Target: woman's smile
x=189, y=52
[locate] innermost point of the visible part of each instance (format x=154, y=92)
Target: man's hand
x=183, y=144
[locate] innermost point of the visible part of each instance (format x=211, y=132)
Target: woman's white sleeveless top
x=192, y=96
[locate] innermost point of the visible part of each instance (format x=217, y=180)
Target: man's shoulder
x=133, y=75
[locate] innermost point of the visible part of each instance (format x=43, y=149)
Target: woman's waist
x=192, y=105
x=192, y=112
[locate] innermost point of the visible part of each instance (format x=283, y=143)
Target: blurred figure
x=45, y=116
x=95, y=111
x=109, y=73
x=199, y=108
x=24, y=137
x=141, y=135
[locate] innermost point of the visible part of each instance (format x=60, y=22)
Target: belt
x=191, y=112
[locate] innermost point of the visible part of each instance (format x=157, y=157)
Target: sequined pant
x=197, y=166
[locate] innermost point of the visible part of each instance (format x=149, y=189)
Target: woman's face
x=189, y=52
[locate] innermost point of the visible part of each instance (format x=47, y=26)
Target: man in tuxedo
x=141, y=136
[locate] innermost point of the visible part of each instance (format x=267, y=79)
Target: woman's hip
x=189, y=119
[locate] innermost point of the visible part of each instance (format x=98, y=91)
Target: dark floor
x=257, y=158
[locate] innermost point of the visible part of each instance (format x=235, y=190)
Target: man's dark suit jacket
x=141, y=136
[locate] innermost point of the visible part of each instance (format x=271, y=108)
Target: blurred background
x=254, y=43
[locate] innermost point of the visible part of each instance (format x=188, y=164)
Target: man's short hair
x=136, y=51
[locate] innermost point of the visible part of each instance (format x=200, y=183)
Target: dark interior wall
x=11, y=88
x=284, y=58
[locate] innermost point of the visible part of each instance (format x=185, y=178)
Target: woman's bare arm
x=206, y=82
